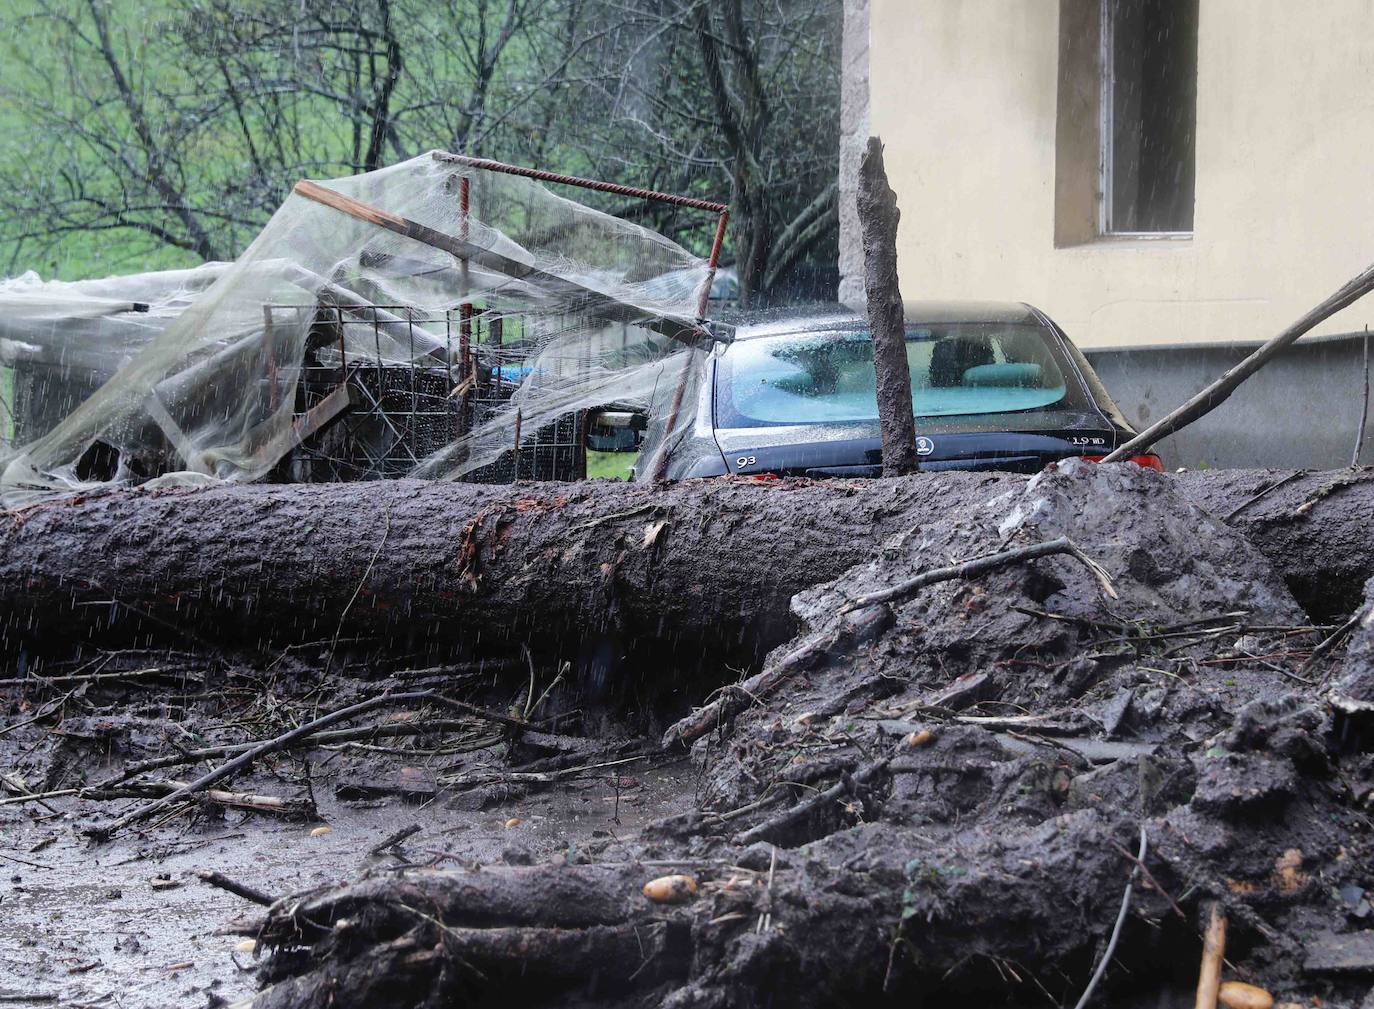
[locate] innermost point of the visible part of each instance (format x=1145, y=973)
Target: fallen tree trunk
x=703, y=568
x=1313, y=526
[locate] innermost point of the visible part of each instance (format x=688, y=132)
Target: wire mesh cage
x=364, y=414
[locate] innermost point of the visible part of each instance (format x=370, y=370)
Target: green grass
x=7, y=431
x=610, y=465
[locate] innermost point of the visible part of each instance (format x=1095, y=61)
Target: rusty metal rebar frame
x=573, y=180
x=593, y=302
x=420, y=233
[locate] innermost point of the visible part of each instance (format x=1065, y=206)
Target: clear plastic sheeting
x=429, y=319
x=59, y=342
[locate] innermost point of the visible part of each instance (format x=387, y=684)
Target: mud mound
x=943, y=797
x=1353, y=696
x=1043, y=646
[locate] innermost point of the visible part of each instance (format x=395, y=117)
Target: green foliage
x=6, y=406
x=146, y=134
x=610, y=465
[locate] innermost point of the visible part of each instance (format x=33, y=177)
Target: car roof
x=817, y=319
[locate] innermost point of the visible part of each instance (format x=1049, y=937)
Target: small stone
x=321, y=831
x=677, y=889
x=1239, y=995
x=1349, y=953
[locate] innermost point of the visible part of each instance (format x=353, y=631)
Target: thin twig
x=385, y=731
x=105, y=831
x=1116, y=929
x=765, y=921
x=1364, y=408
x=1325, y=491
x=38, y=796
x=358, y=591
x=475, y=778
x=563, y=669
x=628, y=513
x=979, y=566
x=1333, y=639
x=1150, y=878
x=40, y=681
x=1255, y=499
x=43, y=712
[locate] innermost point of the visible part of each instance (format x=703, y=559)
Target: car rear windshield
x=957, y=369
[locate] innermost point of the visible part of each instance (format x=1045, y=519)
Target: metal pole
x=703, y=302
x=573, y=180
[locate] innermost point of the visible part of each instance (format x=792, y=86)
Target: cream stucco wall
x=964, y=95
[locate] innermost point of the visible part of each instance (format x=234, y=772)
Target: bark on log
x=444, y=563
x=454, y=563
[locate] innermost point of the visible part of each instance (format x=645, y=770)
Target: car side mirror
x=615, y=430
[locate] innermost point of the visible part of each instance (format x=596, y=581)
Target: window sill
x=1146, y=236
x=1125, y=240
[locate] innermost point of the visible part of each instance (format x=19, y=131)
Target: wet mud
x=935, y=798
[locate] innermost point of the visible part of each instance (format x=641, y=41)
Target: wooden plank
x=1351, y=953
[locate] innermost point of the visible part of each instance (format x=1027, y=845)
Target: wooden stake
x=1213, y=950
x=878, y=217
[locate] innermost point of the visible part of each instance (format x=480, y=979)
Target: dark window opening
x=1149, y=106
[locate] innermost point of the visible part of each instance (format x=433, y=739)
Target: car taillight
x=1148, y=461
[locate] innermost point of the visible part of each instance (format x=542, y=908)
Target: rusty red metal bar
x=713, y=262
x=572, y=180
x=633, y=192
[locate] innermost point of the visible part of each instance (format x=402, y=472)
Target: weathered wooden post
x=878, y=217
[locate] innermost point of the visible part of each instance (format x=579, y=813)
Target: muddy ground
x=935, y=796
x=129, y=922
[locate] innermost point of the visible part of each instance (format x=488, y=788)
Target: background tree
x=165, y=132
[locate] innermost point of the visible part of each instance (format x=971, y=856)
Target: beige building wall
x=966, y=96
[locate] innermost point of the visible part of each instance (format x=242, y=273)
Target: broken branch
x=396, y=838
x=106, y=831
x=980, y=566
x=236, y=888
x=1213, y=950
x=774, y=825
x=1219, y=391
x=734, y=698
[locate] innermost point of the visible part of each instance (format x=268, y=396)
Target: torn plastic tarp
x=199, y=372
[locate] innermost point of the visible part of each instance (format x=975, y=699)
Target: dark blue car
x=994, y=387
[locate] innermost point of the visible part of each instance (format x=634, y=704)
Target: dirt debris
x=987, y=861
x=945, y=806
